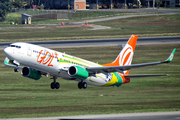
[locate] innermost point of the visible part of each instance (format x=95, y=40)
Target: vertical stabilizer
x=126, y=55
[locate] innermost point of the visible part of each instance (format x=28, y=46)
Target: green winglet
x=6, y=61
x=171, y=56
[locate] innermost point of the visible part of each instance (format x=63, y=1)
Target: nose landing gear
x=16, y=70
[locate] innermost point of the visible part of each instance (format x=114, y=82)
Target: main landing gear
x=55, y=84
x=82, y=85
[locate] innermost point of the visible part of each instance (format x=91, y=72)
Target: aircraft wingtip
x=171, y=56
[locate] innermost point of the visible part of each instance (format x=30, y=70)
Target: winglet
x=6, y=61
x=171, y=56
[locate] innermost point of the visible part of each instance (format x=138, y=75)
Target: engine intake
x=78, y=72
x=31, y=73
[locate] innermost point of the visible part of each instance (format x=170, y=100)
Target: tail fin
x=126, y=54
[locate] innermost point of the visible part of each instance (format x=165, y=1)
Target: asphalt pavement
x=141, y=10
x=173, y=115
x=100, y=42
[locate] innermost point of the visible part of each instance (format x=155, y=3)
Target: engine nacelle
x=78, y=72
x=31, y=73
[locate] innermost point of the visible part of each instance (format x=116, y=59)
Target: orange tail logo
x=127, y=52
x=126, y=55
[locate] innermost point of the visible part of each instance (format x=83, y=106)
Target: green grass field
x=23, y=97
x=73, y=16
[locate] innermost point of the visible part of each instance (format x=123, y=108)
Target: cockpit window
x=16, y=46
x=12, y=46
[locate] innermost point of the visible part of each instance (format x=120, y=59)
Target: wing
x=93, y=70
x=7, y=63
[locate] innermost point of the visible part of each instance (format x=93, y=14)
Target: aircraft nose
x=7, y=52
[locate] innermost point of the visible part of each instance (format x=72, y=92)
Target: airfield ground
x=23, y=97
x=162, y=25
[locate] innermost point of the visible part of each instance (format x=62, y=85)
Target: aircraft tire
x=57, y=85
x=16, y=70
x=84, y=85
x=52, y=85
x=80, y=85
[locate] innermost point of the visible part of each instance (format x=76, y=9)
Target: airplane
x=36, y=61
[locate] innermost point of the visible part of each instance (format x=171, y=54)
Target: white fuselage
x=52, y=62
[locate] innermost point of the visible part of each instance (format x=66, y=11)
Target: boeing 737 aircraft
x=36, y=61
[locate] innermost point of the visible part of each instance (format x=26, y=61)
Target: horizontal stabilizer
x=138, y=76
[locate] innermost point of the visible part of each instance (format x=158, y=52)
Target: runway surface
x=174, y=115
x=142, y=10
x=100, y=42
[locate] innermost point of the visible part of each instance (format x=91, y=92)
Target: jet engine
x=78, y=72
x=31, y=73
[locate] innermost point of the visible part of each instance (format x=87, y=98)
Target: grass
x=73, y=16
x=23, y=97
x=165, y=25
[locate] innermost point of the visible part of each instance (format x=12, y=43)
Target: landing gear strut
x=16, y=69
x=55, y=84
x=82, y=85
